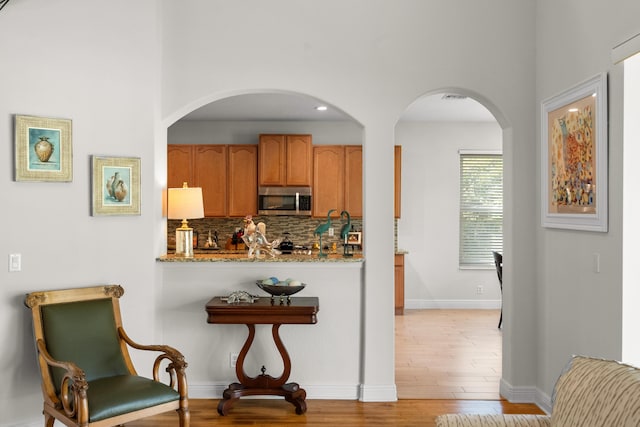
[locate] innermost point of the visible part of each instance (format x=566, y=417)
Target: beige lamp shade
x=185, y=203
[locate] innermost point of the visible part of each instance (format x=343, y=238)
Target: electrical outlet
x=331, y=231
x=479, y=289
x=233, y=359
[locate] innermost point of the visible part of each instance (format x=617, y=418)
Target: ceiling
x=293, y=107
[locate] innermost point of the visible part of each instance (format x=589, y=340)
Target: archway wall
x=371, y=60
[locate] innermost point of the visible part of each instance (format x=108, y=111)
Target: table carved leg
x=263, y=384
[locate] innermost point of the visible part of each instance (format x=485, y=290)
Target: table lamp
x=184, y=203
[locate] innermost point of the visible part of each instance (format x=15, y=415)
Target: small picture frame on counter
x=353, y=238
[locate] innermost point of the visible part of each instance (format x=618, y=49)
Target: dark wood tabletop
x=297, y=310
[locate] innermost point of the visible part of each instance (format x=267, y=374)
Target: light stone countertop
x=234, y=256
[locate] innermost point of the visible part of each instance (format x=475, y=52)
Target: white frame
x=593, y=217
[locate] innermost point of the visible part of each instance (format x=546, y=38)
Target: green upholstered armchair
x=88, y=378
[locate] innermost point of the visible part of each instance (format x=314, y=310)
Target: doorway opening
x=448, y=344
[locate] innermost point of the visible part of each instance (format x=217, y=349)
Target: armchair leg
x=48, y=420
x=184, y=416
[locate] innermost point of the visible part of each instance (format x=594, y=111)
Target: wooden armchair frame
x=68, y=399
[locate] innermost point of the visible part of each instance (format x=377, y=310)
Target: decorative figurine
x=256, y=240
x=344, y=231
x=322, y=228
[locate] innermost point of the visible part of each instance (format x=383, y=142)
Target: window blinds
x=480, y=208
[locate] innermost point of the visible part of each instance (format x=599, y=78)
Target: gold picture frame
x=115, y=186
x=574, y=150
x=43, y=149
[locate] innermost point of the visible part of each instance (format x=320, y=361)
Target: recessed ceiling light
x=321, y=108
x=573, y=110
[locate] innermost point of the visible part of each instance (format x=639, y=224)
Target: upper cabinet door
x=298, y=165
x=179, y=166
x=210, y=173
x=353, y=180
x=243, y=189
x=397, y=181
x=328, y=180
x=271, y=160
x=284, y=160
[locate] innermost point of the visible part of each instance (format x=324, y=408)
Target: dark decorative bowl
x=279, y=290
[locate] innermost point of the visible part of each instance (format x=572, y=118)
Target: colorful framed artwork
x=574, y=157
x=116, y=186
x=43, y=149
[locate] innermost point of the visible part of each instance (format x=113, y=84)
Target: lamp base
x=184, y=242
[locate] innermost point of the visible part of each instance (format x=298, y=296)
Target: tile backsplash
x=300, y=229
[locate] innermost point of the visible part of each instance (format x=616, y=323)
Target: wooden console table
x=298, y=310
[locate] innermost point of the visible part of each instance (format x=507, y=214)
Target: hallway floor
x=448, y=354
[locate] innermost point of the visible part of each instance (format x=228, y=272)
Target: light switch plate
x=15, y=262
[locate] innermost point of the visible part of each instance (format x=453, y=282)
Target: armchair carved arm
x=175, y=368
x=73, y=387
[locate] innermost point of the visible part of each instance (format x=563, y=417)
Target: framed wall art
x=43, y=149
x=574, y=157
x=115, y=185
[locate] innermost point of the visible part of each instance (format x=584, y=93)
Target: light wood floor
x=448, y=354
x=343, y=413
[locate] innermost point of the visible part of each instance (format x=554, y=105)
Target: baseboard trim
x=543, y=400
x=417, y=304
x=525, y=395
x=378, y=393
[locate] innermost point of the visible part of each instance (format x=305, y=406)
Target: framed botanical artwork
x=574, y=157
x=116, y=185
x=353, y=238
x=43, y=149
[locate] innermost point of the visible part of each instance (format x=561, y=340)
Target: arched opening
x=448, y=344
x=238, y=120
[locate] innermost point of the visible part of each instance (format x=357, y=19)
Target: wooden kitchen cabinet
x=202, y=166
x=337, y=180
x=210, y=173
x=284, y=160
x=227, y=175
x=242, y=180
x=353, y=180
x=179, y=166
x=397, y=181
x=399, y=283
x=328, y=180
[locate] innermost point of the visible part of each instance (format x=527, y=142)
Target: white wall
x=94, y=63
x=429, y=227
x=579, y=310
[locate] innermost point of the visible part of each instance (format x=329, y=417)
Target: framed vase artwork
x=43, y=149
x=115, y=185
x=574, y=146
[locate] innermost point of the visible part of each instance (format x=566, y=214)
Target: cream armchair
x=590, y=393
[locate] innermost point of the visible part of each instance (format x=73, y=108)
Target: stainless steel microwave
x=284, y=201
